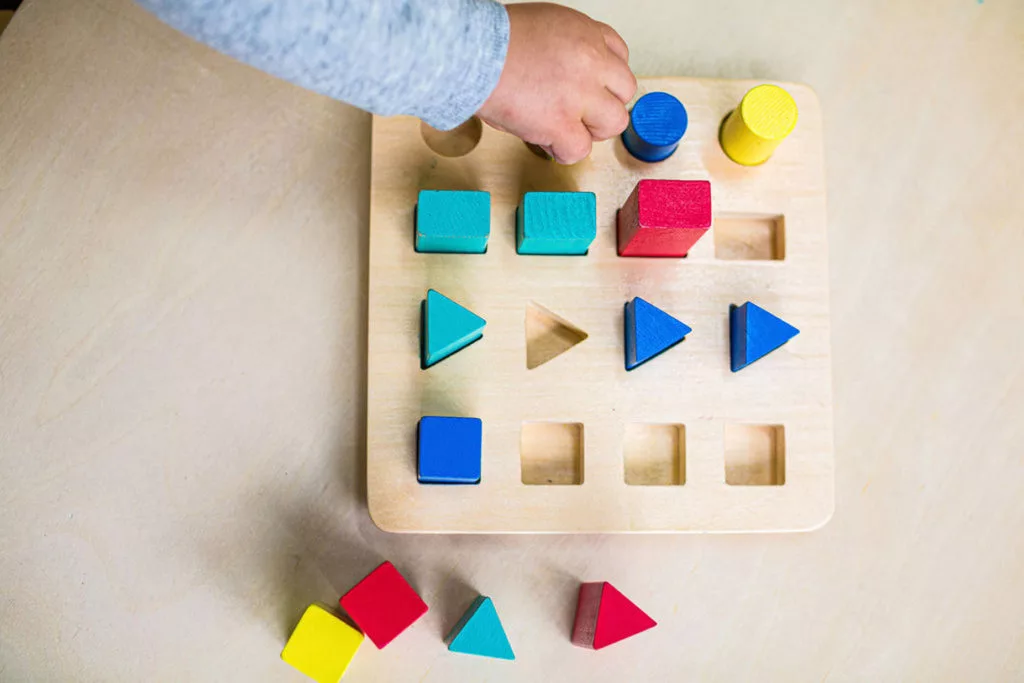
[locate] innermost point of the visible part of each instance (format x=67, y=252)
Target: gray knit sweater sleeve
x=435, y=59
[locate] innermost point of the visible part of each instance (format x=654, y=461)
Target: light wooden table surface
x=182, y=323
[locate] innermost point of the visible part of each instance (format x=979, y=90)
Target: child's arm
x=563, y=84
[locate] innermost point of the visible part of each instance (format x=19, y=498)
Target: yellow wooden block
x=766, y=115
x=322, y=645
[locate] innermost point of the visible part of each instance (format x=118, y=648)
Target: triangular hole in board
x=548, y=335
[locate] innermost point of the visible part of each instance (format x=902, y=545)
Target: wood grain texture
x=589, y=385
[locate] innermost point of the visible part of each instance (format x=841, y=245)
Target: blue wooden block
x=754, y=333
x=556, y=223
x=446, y=327
x=453, y=221
x=650, y=331
x=479, y=632
x=656, y=125
x=449, y=450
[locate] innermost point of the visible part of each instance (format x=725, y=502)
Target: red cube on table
x=383, y=604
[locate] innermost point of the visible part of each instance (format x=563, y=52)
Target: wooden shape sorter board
x=702, y=448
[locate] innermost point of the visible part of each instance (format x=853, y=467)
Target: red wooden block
x=383, y=604
x=605, y=616
x=664, y=217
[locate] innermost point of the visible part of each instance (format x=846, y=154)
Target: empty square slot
x=750, y=238
x=755, y=455
x=655, y=455
x=552, y=453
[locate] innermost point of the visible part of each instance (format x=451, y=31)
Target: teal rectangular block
x=453, y=221
x=552, y=223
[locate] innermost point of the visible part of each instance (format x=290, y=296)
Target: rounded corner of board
x=822, y=519
x=384, y=522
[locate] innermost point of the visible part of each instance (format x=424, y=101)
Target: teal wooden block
x=479, y=632
x=447, y=328
x=552, y=223
x=453, y=221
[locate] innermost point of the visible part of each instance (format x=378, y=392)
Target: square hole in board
x=750, y=238
x=552, y=453
x=654, y=454
x=755, y=455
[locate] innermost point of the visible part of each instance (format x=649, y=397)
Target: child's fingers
x=606, y=118
x=614, y=42
x=572, y=145
x=620, y=81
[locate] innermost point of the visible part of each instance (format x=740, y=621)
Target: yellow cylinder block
x=752, y=131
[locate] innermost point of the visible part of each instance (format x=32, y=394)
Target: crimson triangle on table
x=650, y=332
x=605, y=616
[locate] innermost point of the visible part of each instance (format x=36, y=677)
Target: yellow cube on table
x=322, y=645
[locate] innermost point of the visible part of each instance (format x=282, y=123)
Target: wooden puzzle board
x=766, y=429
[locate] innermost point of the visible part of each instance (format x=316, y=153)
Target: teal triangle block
x=447, y=328
x=650, y=331
x=754, y=333
x=479, y=632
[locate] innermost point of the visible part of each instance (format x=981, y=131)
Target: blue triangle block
x=479, y=632
x=650, y=331
x=447, y=327
x=754, y=333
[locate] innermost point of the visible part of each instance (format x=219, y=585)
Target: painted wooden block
x=449, y=450
x=650, y=331
x=479, y=632
x=446, y=328
x=657, y=123
x=754, y=333
x=764, y=118
x=453, y=221
x=552, y=223
x=322, y=645
x=664, y=217
x=605, y=616
x=383, y=604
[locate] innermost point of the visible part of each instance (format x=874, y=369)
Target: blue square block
x=449, y=450
x=453, y=221
x=552, y=223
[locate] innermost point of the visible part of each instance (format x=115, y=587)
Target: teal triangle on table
x=479, y=632
x=447, y=328
x=650, y=331
x=754, y=333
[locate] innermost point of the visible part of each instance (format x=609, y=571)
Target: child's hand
x=565, y=83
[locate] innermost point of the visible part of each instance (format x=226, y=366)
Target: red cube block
x=664, y=217
x=383, y=604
